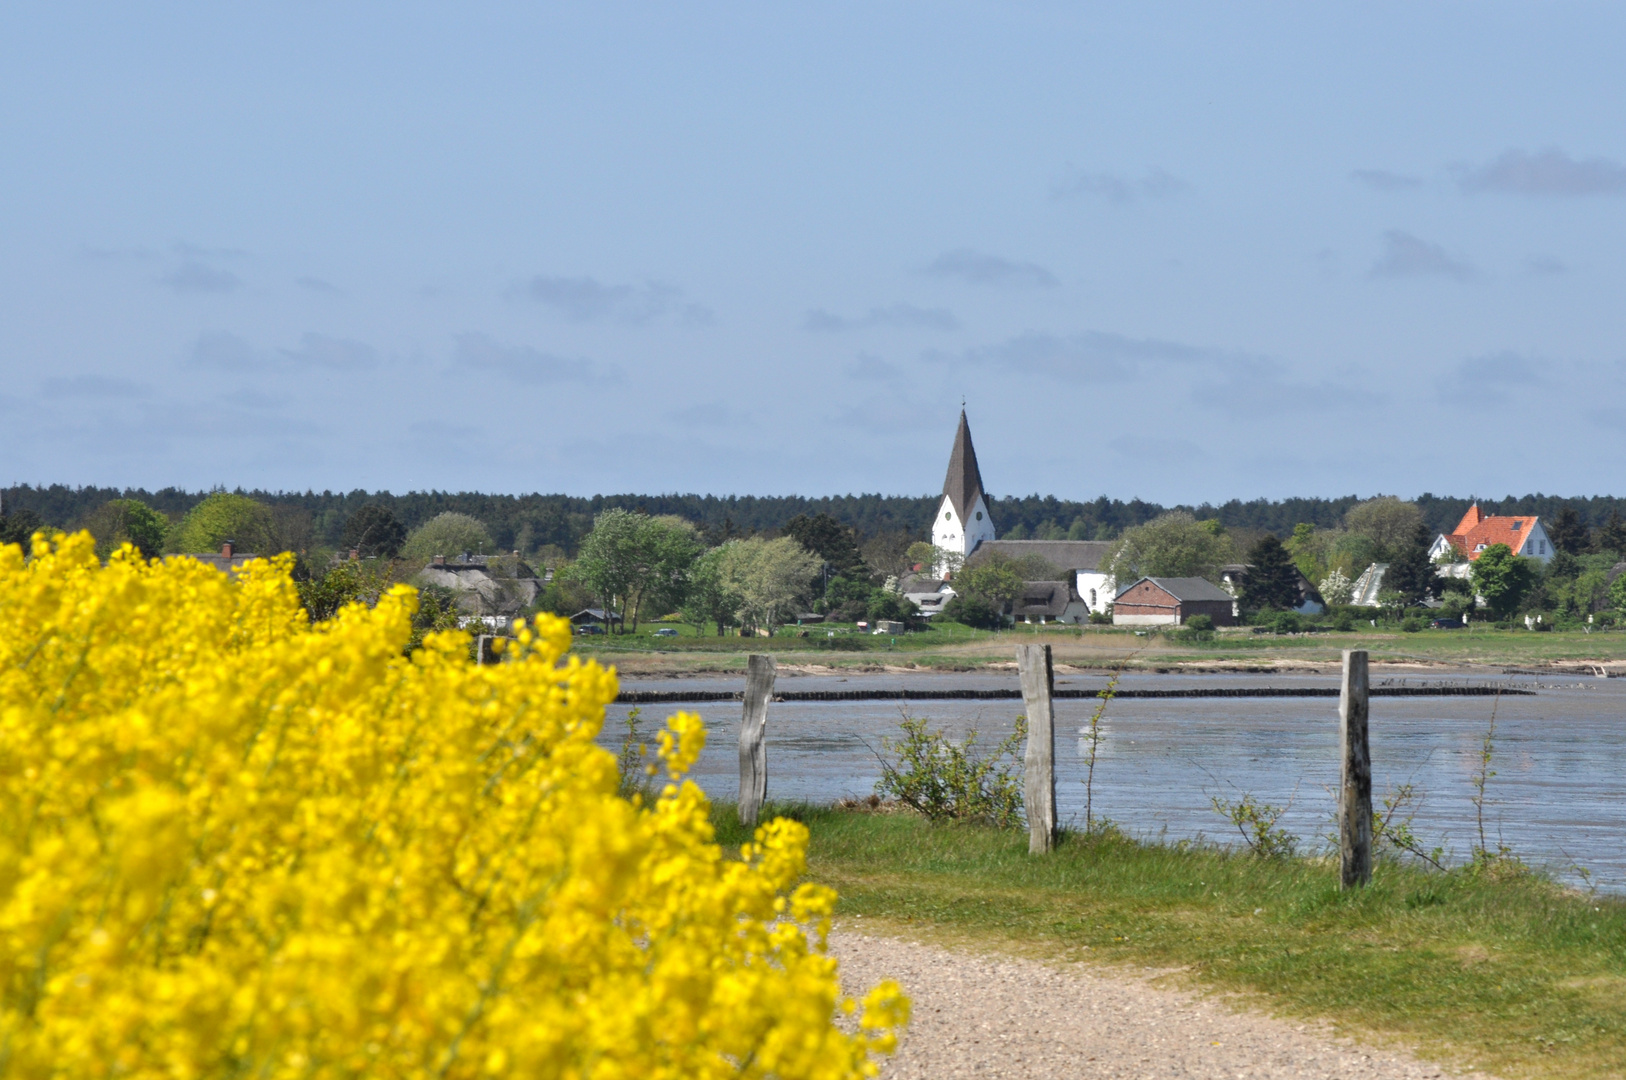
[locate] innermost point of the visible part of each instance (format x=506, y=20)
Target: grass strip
x=1506, y=971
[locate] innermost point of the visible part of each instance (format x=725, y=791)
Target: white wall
x=961, y=537
x=1102, y=585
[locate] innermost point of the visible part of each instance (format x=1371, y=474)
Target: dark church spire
x=964, y=482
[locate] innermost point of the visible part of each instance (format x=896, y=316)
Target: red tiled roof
x=1478, y=531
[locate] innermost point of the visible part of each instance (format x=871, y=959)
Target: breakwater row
x=697, y=697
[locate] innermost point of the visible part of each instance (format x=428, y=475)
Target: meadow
x=1489, y=965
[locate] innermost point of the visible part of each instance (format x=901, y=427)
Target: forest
x=532, y=522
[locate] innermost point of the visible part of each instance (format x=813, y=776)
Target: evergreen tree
x=373, y=530
x=1411, y=573
x=19, y=526
x=1273, y=581
x=829, y=539
x=1567, y=532
x=1612, y=537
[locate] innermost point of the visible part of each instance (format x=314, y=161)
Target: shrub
x=238, y=844
x=1287, y=622
x=1343, y=621
x=973, y=611
x=948, y=780
x=1200, y=622
x=1411, y=624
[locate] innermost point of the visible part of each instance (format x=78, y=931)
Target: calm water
x=1558, y=797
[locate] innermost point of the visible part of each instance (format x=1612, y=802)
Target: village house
x=1171, y=602
x=229, y=560
x=496, y=585
x=1523, y=534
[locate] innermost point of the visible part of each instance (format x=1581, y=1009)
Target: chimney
x=439, y=560
x=226, y=549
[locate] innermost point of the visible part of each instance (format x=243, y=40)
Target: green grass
x=1512, y=974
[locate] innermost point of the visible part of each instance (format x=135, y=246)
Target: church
x=964, y=527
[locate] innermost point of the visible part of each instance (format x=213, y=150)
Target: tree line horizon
x=534, y=521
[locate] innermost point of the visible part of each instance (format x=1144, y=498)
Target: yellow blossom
x=233, y=843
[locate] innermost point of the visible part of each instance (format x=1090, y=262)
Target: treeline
x=534, y=522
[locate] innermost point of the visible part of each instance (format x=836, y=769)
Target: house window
x=1518, y=525
x=1092, y=597
x=1544, y=547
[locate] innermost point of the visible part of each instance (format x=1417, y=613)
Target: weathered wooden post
x=1355, y=777
x=759, y=673
x=1038, y=679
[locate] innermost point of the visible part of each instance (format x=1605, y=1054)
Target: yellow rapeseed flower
x=233, y=843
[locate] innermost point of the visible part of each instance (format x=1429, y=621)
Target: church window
x=979, y=515
x=948, y=515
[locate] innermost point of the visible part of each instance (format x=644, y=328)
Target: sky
x=1181, y=252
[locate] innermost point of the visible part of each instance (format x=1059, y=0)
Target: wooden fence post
x=1038, y=679
x=759, y=675
x=1355, y=777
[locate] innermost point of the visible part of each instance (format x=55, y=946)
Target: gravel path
x=1000, y=1016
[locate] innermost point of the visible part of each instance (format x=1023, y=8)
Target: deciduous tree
x=1386, y=521
x=1502, y=578
x=1172, y=545
x=127, y=521
x=449, y=534
x=224, y=516
x=771, y=578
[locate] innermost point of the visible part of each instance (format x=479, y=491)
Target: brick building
x=1171, y=601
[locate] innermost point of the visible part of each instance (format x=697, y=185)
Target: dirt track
x=995, y=1016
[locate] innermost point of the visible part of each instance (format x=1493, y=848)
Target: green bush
x=1200, y=622
x=953, y=781
x=973, y=611
x=1287, y=622
x=1343, y=621
x=1411, y=624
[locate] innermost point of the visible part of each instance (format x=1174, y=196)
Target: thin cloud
x=196, y=277
x=93, y=387
x=905, y=316
x=868, y=368
x=523, y=364
x=1490, y=380
x=335, y=354
x=585, y=299
x=712, y=414
x=1383, y=180
x=317, y=285
x=1544, y=266
x=1094, y=354
x=979, y=268
x=1405, y=255
x=226, y=352
x=1550, y=172
x=1118, y=188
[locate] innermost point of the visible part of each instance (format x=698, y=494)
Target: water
x=1558, y=798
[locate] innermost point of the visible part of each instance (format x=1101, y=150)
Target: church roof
x=964, y=482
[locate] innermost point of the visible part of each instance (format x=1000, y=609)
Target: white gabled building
x=962, y=520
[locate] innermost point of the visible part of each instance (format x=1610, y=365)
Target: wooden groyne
x=700, y=697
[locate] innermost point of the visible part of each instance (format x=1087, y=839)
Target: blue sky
x=1174, y=251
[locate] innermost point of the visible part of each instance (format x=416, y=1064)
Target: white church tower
x=962, y=518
